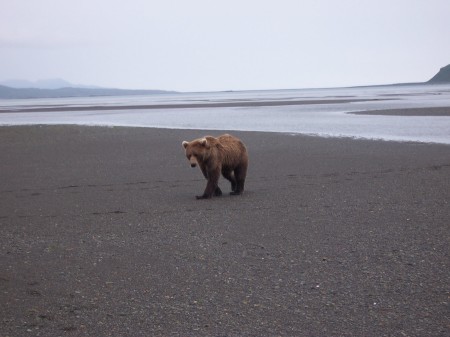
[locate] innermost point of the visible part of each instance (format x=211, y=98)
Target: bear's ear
x=204, y=142
x=185, y=144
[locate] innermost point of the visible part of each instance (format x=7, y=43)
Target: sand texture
x=102, y=236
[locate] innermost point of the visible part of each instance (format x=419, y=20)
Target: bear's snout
x=193, y=161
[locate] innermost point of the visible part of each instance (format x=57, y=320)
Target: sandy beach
x=102, y=236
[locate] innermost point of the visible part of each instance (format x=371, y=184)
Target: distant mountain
x=443, y=76
x=7, y=92
x=54, y=83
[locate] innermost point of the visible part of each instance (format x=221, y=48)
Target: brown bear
x=225, y=154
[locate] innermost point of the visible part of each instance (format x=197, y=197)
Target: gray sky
x=201, y=45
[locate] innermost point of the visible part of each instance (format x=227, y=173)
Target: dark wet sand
x=436, y=111
x=102, y=236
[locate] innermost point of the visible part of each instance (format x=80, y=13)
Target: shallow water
x=327, y=119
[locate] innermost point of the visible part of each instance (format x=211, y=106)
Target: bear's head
x=197, y=150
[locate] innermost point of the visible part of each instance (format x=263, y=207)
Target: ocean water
x=328, y=119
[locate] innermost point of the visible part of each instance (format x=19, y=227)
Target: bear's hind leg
x=229, y=175
x=240, y=174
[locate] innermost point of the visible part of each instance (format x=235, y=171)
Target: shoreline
x=331, y=236
x=215, y=131
x=356, y=124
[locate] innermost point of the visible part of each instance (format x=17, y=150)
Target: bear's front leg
x=212, y=187
x=218, y=192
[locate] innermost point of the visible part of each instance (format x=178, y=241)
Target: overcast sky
x=208, y=45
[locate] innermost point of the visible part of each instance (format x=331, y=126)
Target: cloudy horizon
x=235, y=45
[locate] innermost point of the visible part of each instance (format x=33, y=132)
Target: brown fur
x=225, y=155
